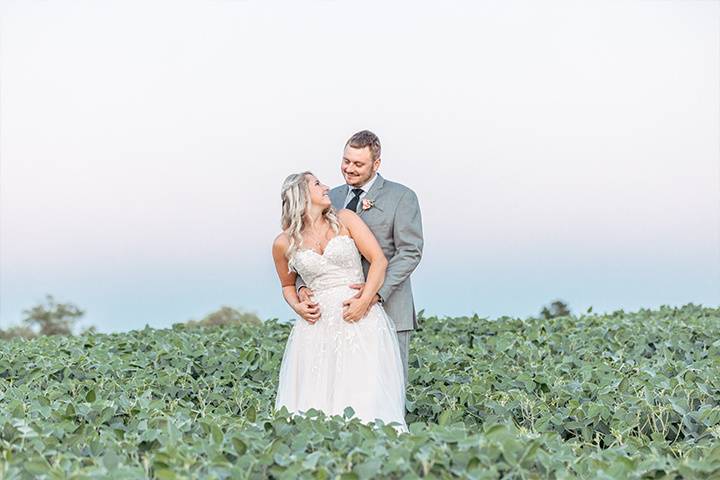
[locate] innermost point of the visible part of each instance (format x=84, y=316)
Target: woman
x=349, y=356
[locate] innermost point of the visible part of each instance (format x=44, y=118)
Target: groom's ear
x=376, y=163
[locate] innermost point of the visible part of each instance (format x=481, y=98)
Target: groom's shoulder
x=337, y=189
x=398, y=188
x=394, y=185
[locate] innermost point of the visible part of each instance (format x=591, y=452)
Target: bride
x=349, y=355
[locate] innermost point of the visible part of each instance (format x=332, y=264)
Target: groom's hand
x=360, y=287
x=308, y=308
x=305, y=294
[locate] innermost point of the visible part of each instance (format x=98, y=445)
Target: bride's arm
x=306, y=310
x=369, y=247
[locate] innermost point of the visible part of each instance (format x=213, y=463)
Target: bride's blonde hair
x=295, y=194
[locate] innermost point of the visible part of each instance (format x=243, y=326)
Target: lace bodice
x=339, y=265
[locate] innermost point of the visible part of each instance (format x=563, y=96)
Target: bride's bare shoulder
x=281, y=242
x=347, y=216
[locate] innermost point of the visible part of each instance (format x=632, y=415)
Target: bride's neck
x=314, y=218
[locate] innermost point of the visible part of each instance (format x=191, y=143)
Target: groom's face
x=358, y=166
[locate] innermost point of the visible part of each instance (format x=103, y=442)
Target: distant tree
x=53, y=318
x=17, y=331
x=558, y=308
x=226, y=316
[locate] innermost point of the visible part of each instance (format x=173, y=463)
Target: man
x=392, y=213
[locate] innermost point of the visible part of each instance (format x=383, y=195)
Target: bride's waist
x=329, y=291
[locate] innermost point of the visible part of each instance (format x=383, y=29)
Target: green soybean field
x=602, y=396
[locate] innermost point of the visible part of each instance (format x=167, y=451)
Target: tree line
x=52, y=318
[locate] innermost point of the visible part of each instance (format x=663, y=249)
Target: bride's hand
x=360, y=287
x=355, y=309
x=308, y=310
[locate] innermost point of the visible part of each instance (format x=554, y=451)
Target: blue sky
x=559, y=150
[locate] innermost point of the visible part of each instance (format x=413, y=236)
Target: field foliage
x=622, y=395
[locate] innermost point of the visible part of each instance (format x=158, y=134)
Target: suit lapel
x=373, y=193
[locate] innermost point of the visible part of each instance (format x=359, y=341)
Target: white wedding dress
x=333, y=364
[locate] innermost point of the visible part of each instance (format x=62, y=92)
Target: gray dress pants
x=404, y=341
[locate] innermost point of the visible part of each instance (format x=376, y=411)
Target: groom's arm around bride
x=407, y=238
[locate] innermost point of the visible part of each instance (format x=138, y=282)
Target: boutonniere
x=367, y=204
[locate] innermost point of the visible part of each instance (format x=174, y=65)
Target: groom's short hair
x=366, y=138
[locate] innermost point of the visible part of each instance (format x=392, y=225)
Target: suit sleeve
x=299, y=283
x=408, y=237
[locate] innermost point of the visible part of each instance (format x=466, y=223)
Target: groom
x=392, y=213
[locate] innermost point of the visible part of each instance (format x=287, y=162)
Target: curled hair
x=295, y=194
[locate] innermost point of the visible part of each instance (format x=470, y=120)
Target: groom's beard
x=356, y=179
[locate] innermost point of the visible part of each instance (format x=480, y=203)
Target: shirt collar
x=365, y=188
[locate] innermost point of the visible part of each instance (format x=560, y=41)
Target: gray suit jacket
x=395, y=221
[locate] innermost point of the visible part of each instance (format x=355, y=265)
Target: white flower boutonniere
x=367, y=204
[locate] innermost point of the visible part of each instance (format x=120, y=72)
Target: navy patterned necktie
x=352, y=204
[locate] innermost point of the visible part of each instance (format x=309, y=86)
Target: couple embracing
x=344, y=259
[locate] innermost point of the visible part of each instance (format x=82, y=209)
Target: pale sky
x=558, y=149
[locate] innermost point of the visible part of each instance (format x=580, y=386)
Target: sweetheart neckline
x=326, y=246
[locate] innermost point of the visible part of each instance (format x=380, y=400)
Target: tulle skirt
x=333, y=364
